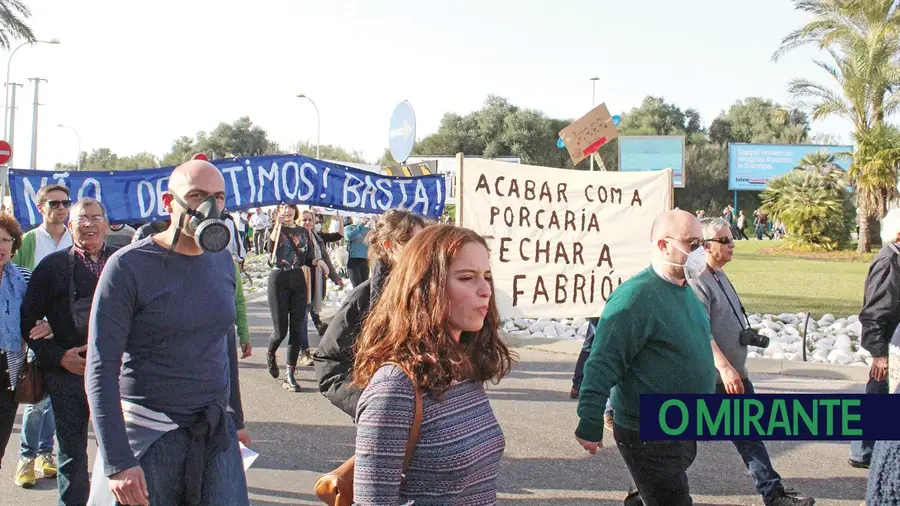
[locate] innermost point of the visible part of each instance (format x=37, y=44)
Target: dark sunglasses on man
x=722, y=240
x=54, y=204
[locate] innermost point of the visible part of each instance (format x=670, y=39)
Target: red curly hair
x=410, y=323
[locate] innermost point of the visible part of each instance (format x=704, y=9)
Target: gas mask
x=205, y=225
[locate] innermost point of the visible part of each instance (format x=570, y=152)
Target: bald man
x=161, y=365
x=652, y=338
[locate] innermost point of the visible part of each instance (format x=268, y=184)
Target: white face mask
x=695, y=263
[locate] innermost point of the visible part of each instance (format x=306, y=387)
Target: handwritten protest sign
x=561, y=240
x=134, y=196
x=589, y=133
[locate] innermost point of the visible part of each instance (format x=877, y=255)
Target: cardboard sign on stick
x=589, y=133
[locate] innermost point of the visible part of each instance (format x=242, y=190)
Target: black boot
x=289, y=382
x=790, y=498
x=272, y=365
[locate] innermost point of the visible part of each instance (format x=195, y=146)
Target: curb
x=754, y=365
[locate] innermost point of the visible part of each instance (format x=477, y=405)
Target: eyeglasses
x=693, y=243
x=96, y=220
x=54, y=204
x=722, y=240
x=7, y=241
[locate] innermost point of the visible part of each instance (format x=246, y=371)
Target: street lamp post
x=8, y=67
x=318, y=122
x=593, y=104
x=78, y=161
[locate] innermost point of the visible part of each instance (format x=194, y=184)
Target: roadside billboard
x=638, y=153
x=752, y=166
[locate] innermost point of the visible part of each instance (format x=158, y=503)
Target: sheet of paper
x=248, y=455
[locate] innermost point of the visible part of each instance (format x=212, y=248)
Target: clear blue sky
x=133, y=76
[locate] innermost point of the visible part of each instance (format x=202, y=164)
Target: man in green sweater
x=652, y=338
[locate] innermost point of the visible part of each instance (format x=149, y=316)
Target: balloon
x=616, y=119
x=559, y=143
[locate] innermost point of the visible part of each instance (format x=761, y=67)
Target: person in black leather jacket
x=334, y=358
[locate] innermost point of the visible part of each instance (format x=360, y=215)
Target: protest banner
x=134, y=196
x=561, y=240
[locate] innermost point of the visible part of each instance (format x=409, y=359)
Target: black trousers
x=659, y=468
x=8, y=407
x=358, y=269
x=70, y=407
x=288, y=304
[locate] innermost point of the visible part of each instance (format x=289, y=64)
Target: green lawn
x=781, y=284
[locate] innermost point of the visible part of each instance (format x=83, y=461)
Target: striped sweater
x=457, y=457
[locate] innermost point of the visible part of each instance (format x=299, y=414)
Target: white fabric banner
x=561, y=240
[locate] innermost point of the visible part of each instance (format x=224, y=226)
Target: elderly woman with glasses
x=13, y=351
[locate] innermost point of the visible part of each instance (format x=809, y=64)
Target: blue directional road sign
x=402, y=132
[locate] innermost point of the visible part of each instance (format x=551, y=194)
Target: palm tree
x=12, y=26
x=824, y=164
x=812, y=210
x=863, y=39
x=874, y=172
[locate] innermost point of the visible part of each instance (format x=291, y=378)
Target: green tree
x=142, y=160
x=863, y=40
x=759, y=121
x=182, y=149
x=824, y=164
x=656, y=117
x=241, y=138
x=811, y=207
x=328, y=152
x=874, y=168
x=497, y=129
x=12, y=24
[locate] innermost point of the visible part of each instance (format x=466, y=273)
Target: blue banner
x=753, y=166
x=653, y=152
x=134, y=196
x=785, y=417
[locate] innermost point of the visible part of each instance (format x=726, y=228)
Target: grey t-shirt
x=724, y=324
x=158, y=337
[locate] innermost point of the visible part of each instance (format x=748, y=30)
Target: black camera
x=750, y=337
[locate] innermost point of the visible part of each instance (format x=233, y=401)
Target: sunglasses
x=694, y=244
x=722, y=240
x=54, y=204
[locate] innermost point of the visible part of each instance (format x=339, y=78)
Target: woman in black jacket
x=334, y=358
x=292, y=249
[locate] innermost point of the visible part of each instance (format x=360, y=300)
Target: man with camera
x=731, y=334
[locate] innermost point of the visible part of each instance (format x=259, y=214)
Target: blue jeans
x=38, y=427
x=756, y=457
x=582, y=358
x=861, y=451
x=224, y=481
x=70, y=403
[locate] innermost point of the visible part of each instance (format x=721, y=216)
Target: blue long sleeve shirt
x=160, y=331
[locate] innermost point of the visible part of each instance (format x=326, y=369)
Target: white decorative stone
x=842, y=343
x=772, y=325
x=578, y=322
x=771, y=334
x=855, y=328
x=828, y=317
x=582, y=330
x=840, y=357
x=550, y=331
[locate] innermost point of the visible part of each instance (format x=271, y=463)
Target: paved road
x=300, y=435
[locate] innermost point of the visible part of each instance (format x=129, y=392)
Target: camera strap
x=725, y=293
